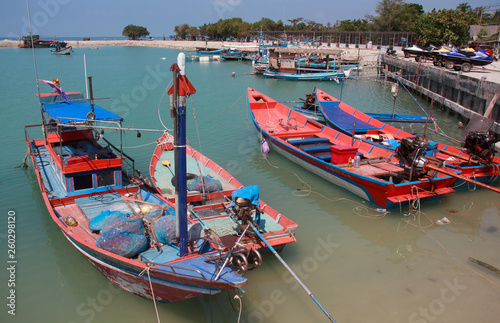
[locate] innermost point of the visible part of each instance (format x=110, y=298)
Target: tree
x=443, y=26
x=410, y=12
x=181, y=31
x=388, y=11
x=482, y=33
x=134, y=32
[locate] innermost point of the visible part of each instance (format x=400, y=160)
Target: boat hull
x=326, y=76
x=308, y=144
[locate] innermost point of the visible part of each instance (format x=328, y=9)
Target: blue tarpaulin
x=76, y=111
x=342, y=119
x=250, y=193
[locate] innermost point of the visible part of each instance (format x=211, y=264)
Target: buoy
x=145, y=209
x=70, y=221
x=265, y=146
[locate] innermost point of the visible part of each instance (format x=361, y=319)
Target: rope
x=152, y=291
x=159, y=104
x=241, y=307
x=217, y=116
x=139, y=146
x=201, y=150
x=356, y=210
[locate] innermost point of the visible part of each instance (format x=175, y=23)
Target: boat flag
x=57, y=88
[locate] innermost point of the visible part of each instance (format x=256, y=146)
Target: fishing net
x=122, y=221
x=122, y=242
x=96, y=222
x=211, y=184
x=164, y=229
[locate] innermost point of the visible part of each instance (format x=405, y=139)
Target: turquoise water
x=362, y=266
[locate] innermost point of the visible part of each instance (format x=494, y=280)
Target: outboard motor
x=480, y=146
x=310, y=101
x=411, y=151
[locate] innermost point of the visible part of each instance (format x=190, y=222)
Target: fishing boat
x=112, y=215
x=474, y=159
x=210, y=191
x=284, y=63
x=344, y=118
x=300, y=76
x=204, y=51
x=62, y=51
x=36, y=42
x=386, y=177
x=232, y=54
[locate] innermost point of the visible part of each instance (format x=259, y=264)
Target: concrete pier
x=475, y=92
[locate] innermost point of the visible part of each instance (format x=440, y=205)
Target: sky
x=107, y=18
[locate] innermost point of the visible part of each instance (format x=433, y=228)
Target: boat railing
x=127, y=158
x=155, y=266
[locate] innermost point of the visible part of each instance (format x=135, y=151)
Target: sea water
x=360, y=264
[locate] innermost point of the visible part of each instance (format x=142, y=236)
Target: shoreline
x=365, y=55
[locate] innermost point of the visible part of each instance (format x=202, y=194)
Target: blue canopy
x=333, y=113
x=76, y=111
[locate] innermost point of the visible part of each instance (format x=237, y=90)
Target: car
x=487, y=48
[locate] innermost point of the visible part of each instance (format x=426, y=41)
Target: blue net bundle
x=150, y=216
x=210, y=184
x=96, y=222
x=122, y=221
x=164, y=229
x=122, y=242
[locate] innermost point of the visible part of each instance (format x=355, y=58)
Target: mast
x=180, y=89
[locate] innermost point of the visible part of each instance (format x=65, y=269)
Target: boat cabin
x=72, y=151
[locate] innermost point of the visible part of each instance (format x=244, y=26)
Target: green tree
x=410, y=12
x=134, y=32
x=181, y=31
x=353, y=25
x=294, y=22
x=443, y=26
x=483, y=32
x=388, y=12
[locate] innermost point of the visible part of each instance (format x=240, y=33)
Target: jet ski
x=419, y=51
x=465, y=59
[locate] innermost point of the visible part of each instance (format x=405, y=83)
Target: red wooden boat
x=82, y=179
x=209, y=201
x=475, y=161
x=381, y=175
x=347, y=119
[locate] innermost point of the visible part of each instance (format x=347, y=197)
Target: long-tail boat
x=378, y=174
x=114, y=217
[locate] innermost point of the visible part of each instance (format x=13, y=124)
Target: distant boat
x=26, y=41
x=62, y=51
x=209, y=52
x=300, y=76
x=232, y=55
x=286, y=64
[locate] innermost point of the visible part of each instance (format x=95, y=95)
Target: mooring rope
x=152, y=291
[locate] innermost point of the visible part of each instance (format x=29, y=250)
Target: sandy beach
x=367, y=56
